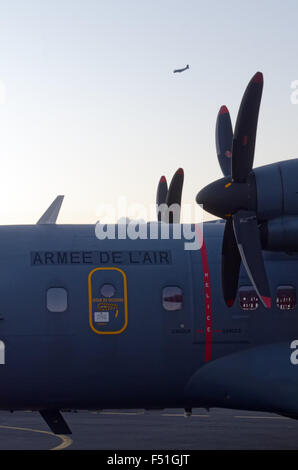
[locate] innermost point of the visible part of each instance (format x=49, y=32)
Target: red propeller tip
x=163, y=179
x=258, y=78
x=230, y=303
x=267, y=301
x=180, y=171
x=223, y=110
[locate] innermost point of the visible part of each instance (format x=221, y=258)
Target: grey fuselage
x=57, y=360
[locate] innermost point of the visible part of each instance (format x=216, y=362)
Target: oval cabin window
x=172, y=298
x=248, y=298
x=107, y=290
x=286, y=297
x=56, y=299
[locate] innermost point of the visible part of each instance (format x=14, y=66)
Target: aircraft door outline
x=107, y=313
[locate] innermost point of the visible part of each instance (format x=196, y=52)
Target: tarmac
x=151, y=430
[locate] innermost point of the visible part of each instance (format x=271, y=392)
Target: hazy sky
x=90, y=107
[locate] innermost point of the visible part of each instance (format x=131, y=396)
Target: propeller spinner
x=234, y=197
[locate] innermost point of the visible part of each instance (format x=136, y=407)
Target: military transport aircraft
x=181, y=70
x=121, y=323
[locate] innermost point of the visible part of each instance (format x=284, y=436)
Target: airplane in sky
x=181, y=70
x=144, y=323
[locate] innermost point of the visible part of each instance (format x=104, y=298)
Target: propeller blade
x=246, y=128
x=230, y=264
x=249, y=245
x=161, y=196
x=175, y=194
x=224, y=140
x=162, y=191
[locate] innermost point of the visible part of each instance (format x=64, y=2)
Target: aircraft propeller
x=224, y=140
x=234, y=198
x=161, y=196
x=170, y=196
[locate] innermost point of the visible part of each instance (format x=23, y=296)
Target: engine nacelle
x=280, y=234
x=277, y=204
x=277, y=190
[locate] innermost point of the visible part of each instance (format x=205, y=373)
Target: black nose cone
x=223, y=198
x=212, y=197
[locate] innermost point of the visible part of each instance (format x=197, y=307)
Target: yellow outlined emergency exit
x=107, y=313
